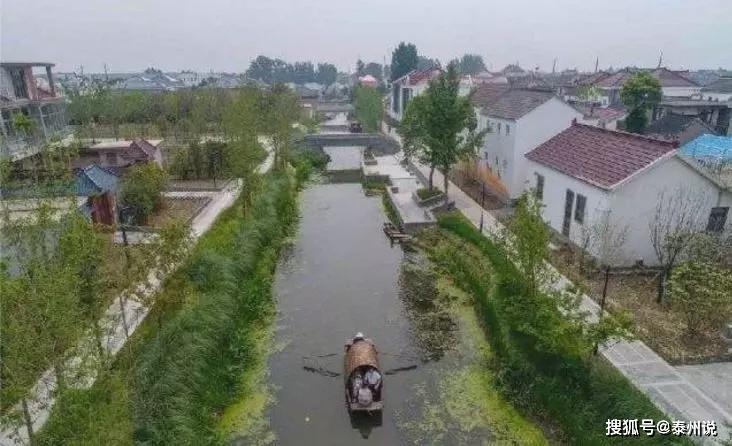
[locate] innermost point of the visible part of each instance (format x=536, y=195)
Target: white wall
x=711, y=96
x=636, y=202
x=533, y=129
x=498, y=147
x=555, y=191
x=6, y=84
x=680, y=92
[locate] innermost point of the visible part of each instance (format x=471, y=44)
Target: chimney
x=675, y=143
x=574, y=121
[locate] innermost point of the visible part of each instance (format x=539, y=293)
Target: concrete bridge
x=378, y=143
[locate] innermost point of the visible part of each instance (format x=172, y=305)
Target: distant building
x=406, y=87
x=120, y=154
x=715, y=113
x=586, y=174
x=681, y=128
x=35, y=98
x=605, y=117
x=150, y=82
x=674, y=84
x=368, y=81
x=719, y=90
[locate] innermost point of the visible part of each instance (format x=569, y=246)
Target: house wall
x=711, y=96
x=636, y=202
x=555, y=190
x=533, y=129
x=680, y=92
x=497, y=151
x=6, y=84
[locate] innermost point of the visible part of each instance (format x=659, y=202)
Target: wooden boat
x=361, y=360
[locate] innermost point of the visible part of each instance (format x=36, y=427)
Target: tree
x=359, y=68
x=280, y=110
x=700, y=291
x=262, y=68
x=640, y=94
x=403, y=60
x=368, y=106
x=443, y=125
x=374, y=69
x=673, y=229
x=326, y=74
x=471, y=64
x=303, y=72
x=425, y=63
x=142, y=189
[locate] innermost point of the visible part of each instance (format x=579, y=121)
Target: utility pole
x=106, y=73
x=660, y=59
x=597, y=63
x=554, y=66
x=482, y=204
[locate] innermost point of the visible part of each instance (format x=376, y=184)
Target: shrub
x=424, y=193
x=142, y=189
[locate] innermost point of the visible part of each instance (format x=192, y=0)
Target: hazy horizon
x=222, y=35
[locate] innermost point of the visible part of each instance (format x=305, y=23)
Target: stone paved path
x=666, y=386
x=120, y=320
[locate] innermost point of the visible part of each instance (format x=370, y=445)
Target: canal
x=341, y=275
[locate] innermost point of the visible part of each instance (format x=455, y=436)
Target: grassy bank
x=195, y=353
x=572, y=397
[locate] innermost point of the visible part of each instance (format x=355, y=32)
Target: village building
x=715, y=113
x=719, y=90
x=406, y=87
x=605, y=117
x=120, y=154
x=681, y=128
x=32, y=110
x=517, y=120
x=368, y=81
x=100, y=186
x=586, y=175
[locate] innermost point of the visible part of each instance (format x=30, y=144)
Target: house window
x=579, y=209
x=508, y=129
x=539, y=187
x=717, y=219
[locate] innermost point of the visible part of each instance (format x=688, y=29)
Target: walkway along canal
x=341, y=276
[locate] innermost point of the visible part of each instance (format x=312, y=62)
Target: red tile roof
x=415, y=77
x=603, y=158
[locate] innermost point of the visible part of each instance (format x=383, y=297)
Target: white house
x=518, y=119
x=406, y=87
x=587, y=174
x=674, y=84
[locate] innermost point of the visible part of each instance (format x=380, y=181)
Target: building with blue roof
x=709, y=148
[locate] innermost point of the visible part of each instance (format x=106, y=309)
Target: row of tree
x=272, y=71
x=405, y=58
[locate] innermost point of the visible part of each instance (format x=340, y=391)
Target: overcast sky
x=130, y=35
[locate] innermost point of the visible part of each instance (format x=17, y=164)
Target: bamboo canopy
x=360, y=353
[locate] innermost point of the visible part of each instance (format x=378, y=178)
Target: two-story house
x=518, y=120
x=31, y=108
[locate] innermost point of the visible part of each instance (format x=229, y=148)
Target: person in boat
x=372, y=379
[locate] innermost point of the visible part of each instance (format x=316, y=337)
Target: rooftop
x=415, y=77
x=95, y=179
x=122, y=143
x=676, y=126
x=502, y=101
x=667, y=78
x=601, y=157
x=709, y=147
x=721, y=85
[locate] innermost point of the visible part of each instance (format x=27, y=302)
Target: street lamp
x=482, y=204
